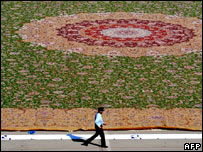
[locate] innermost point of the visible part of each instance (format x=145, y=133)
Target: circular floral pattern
x=126, y=33
x=117, y=34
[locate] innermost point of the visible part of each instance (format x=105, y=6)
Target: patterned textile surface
x=115, y=118
x=110, y=34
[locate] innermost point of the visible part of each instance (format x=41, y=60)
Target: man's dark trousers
x=99, y=131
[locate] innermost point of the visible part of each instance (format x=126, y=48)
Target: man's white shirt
x=98, y=120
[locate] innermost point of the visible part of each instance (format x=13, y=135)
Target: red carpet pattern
x=126, y=33
x=117, y=34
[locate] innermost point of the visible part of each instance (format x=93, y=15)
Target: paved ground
x=114, y=145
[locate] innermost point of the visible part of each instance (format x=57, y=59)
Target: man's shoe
x=104, y=146
x=84, y=144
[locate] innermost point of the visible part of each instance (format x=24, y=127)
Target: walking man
x=99, y=131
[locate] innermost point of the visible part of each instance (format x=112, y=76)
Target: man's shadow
x=79, y=139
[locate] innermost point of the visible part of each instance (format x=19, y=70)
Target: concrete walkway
x=115, y=144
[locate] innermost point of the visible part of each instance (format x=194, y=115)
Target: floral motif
x=130, y=34
x=126, y=33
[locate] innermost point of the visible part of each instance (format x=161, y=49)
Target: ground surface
x=114, y=145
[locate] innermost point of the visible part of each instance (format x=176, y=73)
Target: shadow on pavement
x=79, y=139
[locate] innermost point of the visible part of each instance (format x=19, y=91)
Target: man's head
x=100, y=110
